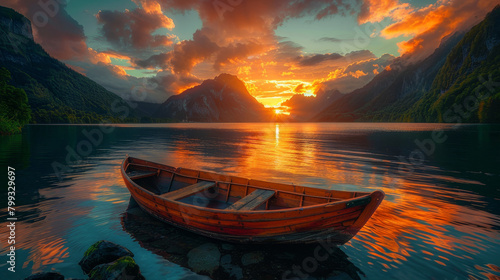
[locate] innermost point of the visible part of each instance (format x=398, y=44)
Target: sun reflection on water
x=437, y=219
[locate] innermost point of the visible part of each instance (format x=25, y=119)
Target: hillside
x=56, y=93
x=460, y=82
x=392, y=92
x=427, y=91
x=222, y=99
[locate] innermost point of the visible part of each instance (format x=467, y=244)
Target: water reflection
x=441, y=221
x=221, y=260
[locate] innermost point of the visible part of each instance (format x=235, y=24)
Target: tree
x=15, y=111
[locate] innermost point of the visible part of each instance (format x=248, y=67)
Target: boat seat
x=252, y=201
x=139, y=174
x=188, y=190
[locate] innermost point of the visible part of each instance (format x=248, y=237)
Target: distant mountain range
x=56, y=93
x=223, y=99
x=303, y=107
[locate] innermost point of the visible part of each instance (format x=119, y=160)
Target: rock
x=234, y=271
x=225, y=259
x=204, y=258
x=46, y=276
x=227, y=247
x=122, y=268
x=102, y=252
x=252, y=258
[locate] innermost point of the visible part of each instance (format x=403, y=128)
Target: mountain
x=303, y=107
x=56, y=93
x=222, y=99
x=467, y=87
x=391, y=92
x=430, y=90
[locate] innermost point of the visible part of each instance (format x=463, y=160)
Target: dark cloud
x=329, y=39
x=313, y=60
x=58, y=33
x=155, y=61
x=235, y=52
x=188, y=53
x=287, y=51
x=174, y=84
x=135, y=28
x=316, y=59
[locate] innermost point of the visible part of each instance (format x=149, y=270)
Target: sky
x=149, y=50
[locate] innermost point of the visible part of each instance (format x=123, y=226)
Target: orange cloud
x=421, y=21
x=96, y=57
x=358, y=74
x=430, y=24
x=377, y=10
x=410, y=46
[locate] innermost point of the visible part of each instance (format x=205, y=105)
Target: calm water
x=440, y=218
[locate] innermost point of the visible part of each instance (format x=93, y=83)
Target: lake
x=440, y=218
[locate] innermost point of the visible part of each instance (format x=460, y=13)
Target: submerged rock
x=122, y=268
x=102, y=252
x=252, y=258
x=205, y=258
x=46, y=276
x=223, y=261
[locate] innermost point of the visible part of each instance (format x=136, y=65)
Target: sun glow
x=281, y=111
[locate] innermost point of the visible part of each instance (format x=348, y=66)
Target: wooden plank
x=188, y=190
x=252, y=201
x=139, y=174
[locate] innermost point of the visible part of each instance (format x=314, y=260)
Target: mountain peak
x=13, y=22
x=224, y=77
x=222, y=99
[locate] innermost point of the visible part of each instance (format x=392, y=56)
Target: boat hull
x=336, y=222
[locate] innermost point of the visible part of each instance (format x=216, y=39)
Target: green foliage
x=14, y=109
x=459, y=92
x=56, y=93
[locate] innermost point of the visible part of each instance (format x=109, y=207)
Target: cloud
x=427, y=25
x=154, y=89
x=329, y=39
x=235, y=52
x=234, y=30
x=357, y=74
x=175, y=84
x=188, y=53
x=312, y=60
x=53, y=28
x=377, y=10
x=135, y=28
x=299, y=89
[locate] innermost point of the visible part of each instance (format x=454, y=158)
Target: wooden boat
x=236, y=209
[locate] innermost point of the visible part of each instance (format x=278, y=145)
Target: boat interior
x=217, y=191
